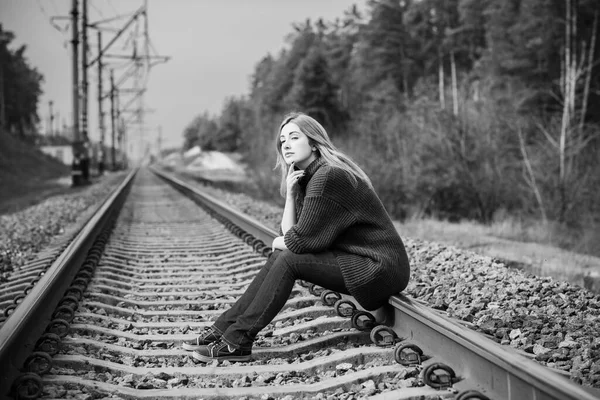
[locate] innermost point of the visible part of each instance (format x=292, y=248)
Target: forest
x=20, y=89
x=481, y=110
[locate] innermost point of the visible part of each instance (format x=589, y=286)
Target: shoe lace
x=216, y=346
x=205, y=334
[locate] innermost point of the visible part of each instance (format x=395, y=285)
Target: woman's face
x=295, y=147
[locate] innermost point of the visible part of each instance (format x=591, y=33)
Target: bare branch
x=531, y=181
x=552, y=141
x=588, y=79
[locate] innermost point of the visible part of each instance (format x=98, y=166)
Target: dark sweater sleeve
x=321, y=222
x=322, y=218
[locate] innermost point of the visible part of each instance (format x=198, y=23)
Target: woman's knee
x=271, y=259
x=286, y=261
x=289, y=257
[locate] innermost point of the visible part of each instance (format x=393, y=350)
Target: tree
x=201, y=132
x=423, y=24
x=438, y=39
x=524, y=139
x=571, y=139
x=21, y=87
x=384, y=48
x=339, y=46
x=282, y=73
x=230, y=126
x=472, y=27
x=313, y=91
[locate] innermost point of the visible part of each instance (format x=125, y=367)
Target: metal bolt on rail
x=48, y=343
x=329, y=297
x=315, y=290
x=439, y=376
x=59, y=327
x=363, y=320
x=345, y=308
x=38, y=362
x=408, y=354
x=471, y=395
x=383, y=336
x=27, y=386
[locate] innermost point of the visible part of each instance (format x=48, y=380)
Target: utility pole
x=112, y=118
x=75, y=172
x=51, y=130
x=122, y=139
x=2, y=116
x=100, y=111
x=84, y=73
x=3, y=38
x=85, y=161
x=159, y=141
x=120, y=128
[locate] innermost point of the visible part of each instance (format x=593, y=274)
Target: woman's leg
x=321, y=269
x=230, y=315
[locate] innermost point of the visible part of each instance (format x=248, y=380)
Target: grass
x=530, y=245
x=513, y=229
x=27, y=175
x=585, y=240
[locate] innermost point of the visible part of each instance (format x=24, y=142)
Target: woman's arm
x=289, y=211
x=287, y=221
x=324, y=215
x=289, y=214
x=321, y=222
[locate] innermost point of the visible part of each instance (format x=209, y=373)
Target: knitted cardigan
x=333, y=214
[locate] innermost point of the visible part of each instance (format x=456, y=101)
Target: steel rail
x=245, y=222
x=22, y=329
x=499, y=372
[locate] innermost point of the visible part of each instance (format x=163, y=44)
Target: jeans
x=269, y=291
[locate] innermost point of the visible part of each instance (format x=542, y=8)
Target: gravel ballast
x=29, y=231
x=555, y=323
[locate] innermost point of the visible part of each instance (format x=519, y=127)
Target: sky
x=213, y=46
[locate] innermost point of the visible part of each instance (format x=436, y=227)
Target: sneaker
x=220, y=351
x=206, y=337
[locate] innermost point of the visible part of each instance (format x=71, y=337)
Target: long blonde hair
x=317, y=137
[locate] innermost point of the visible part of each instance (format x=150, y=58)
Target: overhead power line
x=122, y=44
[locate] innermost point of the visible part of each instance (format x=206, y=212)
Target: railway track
x=152, y=268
